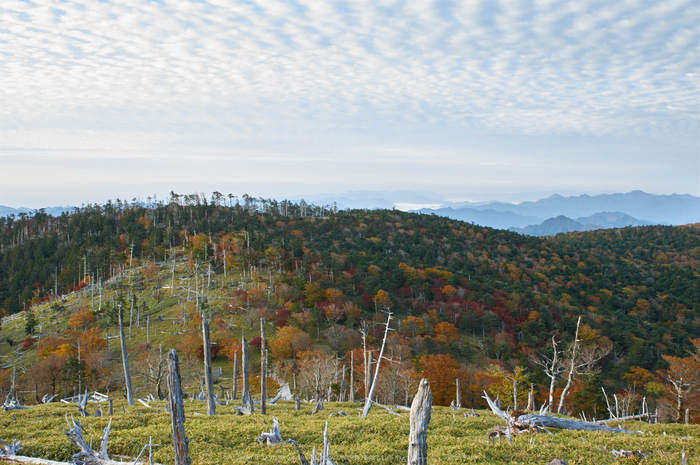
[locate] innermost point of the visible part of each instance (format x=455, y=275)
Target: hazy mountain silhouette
x=563, y=224
x=487, y=217
x=53, y=211
x=657, y=209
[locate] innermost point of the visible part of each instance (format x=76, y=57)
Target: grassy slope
x=162, y=334
x=379, y=439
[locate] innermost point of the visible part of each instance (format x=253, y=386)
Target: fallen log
x=144, y=403
x=8, y=454
x=564, y=423
x=388, y=409
x=532, y=422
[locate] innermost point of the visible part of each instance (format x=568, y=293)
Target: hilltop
x=469, y=302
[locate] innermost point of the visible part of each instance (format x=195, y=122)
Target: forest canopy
x=470, y=301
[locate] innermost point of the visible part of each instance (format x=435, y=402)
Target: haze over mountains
x=53, y=211
x=547, y=216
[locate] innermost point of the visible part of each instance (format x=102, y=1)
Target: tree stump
x=420, y=418
x=177, y=411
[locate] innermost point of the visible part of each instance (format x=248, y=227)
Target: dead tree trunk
x=234, y=394
x=342, y=387
x=572, y=371
x=125, y=358
x=420, y=418
x=208, y=379
x=177, y=411
x=458, y=397
x=263, y=369
x=246, y=397
x=352, y=376
x=368, y=400
x=368, y=372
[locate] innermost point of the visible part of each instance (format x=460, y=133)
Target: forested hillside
x=469, y=302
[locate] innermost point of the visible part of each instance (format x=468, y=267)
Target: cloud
x=226, y=73
x=584, y=67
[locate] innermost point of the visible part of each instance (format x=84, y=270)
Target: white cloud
x=236, y=71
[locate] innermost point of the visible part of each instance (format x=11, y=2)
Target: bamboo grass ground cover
x=381, y=438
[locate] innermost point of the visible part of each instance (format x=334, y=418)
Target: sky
x=102, y=100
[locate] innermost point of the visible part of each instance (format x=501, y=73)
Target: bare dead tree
x=552, y=368
x=234, y=394
x=364, y=331
x=352, y=376
x=572, y=370
x=125, y=358
x=263, y=369
x=368, y=400
x=246, y=397
x=208, y=378
x=458, y=396
x=582, y=361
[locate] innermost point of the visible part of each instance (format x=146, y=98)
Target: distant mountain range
x=658, y=209
x=554, y=214
x=551, y=215
x=563, y=224
x=53, y=211
x=548, y=216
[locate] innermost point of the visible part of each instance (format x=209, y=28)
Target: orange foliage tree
x=683, y=377
x=446, y=334
x=82, y=320
x=442, y=371
x=289, y=342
